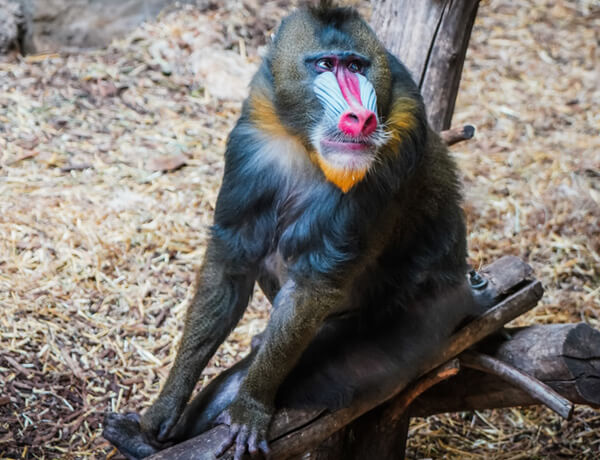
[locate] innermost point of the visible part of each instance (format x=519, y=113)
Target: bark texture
x=431, y=38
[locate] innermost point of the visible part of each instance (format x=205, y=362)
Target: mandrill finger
x=253, y=445
x=241, y=443
x=225, y=445
x=264, y=448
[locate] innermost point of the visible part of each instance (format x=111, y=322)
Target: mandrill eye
x=356, y=66
x=324, y=65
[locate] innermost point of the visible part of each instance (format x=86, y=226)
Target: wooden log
x=566, y=357
x=294, y=432
x=431, y=38
x=382, y=432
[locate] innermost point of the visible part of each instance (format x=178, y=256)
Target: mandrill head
x=330, y=86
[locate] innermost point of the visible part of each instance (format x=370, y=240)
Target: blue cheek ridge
x=329, y=94
x=367, y=94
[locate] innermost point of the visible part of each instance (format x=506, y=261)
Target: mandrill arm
x=299, y=310
x=217, y=306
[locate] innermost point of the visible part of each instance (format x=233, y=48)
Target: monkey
x=342, y=203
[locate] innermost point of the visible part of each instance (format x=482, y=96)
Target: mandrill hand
x=248, y=421
x=161, y=417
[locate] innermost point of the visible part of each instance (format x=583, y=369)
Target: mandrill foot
x=125, y=433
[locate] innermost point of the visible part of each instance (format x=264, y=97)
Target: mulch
x=110, y=163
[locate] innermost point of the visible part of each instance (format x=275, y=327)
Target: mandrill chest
x=321, y=231
x=314, y=231
x=317, y=230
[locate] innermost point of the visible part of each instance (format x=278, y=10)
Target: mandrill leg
x=124, y=430
x=345, y=362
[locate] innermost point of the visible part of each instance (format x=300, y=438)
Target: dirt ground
x=110, y=162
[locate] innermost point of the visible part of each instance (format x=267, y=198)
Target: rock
x=78, y=24
x=12, y=25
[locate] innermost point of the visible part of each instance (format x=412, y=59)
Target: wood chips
x=110, y=163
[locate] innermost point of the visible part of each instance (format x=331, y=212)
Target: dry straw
x=110, y=162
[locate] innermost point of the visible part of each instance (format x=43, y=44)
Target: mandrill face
x=332, y=90
x=349, y=133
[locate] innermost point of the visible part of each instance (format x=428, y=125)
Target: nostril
x=358, y=123
x=350, y=124
x=370, y=125
x=350, y=118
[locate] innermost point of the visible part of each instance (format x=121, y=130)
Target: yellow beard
x=342, y=178
x=401, y=122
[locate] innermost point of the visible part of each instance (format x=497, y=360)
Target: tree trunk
x=430, y=37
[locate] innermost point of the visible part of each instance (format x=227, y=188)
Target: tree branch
x=295, y=431
x=533, y=387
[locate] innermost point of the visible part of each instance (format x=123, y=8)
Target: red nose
x=359, y=122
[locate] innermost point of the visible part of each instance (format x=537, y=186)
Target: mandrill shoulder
x=439, y=174
x=260, y=143
x=432, y=194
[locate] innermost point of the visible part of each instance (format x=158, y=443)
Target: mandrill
x=344, y=206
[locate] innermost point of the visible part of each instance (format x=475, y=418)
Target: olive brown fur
x=366, y=274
